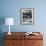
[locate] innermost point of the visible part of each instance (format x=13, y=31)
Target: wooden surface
x=33, y=43
x=20, y=39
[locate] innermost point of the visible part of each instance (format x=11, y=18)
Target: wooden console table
x=20, y=39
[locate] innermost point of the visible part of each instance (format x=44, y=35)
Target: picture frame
x=27, y=15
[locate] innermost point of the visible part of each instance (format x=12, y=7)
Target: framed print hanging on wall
x=27, y=15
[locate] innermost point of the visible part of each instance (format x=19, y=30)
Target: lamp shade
x=9, y=21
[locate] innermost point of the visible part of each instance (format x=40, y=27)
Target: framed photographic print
x=26, y=15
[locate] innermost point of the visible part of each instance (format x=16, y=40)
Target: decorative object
x=27, y=15
x=9, y=21
x=30, y=33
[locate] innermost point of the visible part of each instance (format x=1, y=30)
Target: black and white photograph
x=26, y=15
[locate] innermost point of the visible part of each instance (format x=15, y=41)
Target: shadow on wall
x=1, y=39
x=2, y=21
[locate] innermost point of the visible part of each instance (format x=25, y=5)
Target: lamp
x=9, y=21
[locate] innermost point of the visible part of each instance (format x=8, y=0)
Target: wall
x=11, y=8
